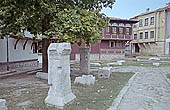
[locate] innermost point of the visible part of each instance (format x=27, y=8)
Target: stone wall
x=19, y=64
x=101, y=56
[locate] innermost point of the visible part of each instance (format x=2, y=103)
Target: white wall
x=167, y=33
x=17, y=54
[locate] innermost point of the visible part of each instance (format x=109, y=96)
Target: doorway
x=137, y=48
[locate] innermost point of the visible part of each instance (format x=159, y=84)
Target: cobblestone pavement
x=149, y=90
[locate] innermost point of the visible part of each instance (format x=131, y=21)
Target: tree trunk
x=45, y=44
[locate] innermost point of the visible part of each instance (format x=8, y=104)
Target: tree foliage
x=71, y=20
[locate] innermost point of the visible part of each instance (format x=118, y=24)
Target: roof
x=167, y=7
x=122, y=20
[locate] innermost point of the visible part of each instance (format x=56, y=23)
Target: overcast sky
x=130, y=8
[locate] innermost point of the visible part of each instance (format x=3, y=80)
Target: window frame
x=114, y=31
x=107, y=29
x=152, y=34
x=141, y=33
x=118, y=44
x=122, y=30
x=114, y=44
x=152, y=20
x=140, y=22
x=146, y=33
x=135, y=37
x=146, y=21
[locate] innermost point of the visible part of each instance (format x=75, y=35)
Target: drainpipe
x=7, y=54
x=165, y=25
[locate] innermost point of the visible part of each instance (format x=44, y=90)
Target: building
x=113, y=43
x=151, y=35
x=21, y=52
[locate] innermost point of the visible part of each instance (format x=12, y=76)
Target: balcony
x=117, y=37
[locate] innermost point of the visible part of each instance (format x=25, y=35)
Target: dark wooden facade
x=114, y=38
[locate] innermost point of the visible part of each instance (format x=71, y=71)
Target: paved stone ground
x=149, y=90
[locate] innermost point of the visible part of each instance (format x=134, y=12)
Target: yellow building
x=151, y=35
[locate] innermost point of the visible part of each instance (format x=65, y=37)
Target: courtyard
x=149, y=89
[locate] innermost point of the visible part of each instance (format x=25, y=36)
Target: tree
x=70, y=20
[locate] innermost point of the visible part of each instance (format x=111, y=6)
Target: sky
x=130, y=8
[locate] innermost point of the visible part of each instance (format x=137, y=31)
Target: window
x=135, y=36
x=146, y=35
x=112, y=44
x=146, y=21
x=108, y=29
x=114, y=30
x=127, y=30
x=118, y=44
x=141, y=35
x=152, y=21
x=120, y=30
x=152, y=34
x=134, y=25
x=140, y=23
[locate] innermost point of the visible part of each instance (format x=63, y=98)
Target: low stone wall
x=111, y=56
x=101, y=56
x=19, y=64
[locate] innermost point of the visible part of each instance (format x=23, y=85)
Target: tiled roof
x=120, y=19
x=157, y=10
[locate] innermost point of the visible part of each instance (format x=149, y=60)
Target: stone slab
x=115, y=64
x=42, y=75
x=156, y=64
x=104, y=72
x=154, y=58
x=122, y=61
x=95, y=64
x=85, y=79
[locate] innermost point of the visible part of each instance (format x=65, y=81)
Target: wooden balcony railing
x=117, y=37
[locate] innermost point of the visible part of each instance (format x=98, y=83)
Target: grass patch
x=100, y=95
x=95, y=97
x=168, y=76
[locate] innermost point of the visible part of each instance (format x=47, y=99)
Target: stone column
x=84, y=60
x=3, y=105
x=60, y=92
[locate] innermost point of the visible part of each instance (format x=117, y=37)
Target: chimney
x=147, y=9
x=168, y=4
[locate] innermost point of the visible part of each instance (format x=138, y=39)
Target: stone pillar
x=84, y=60
x=3, y=105
x=60, y=92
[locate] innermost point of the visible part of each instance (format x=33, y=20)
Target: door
x=136, y=48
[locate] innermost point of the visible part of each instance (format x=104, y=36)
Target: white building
x=167, y=31
x=21, y=52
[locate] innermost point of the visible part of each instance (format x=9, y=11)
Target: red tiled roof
x=120, y=19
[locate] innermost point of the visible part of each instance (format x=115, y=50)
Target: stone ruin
x=84, y=60
x=60, y=92
x=104, y=72
x=85, y=79
x=3, y=105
